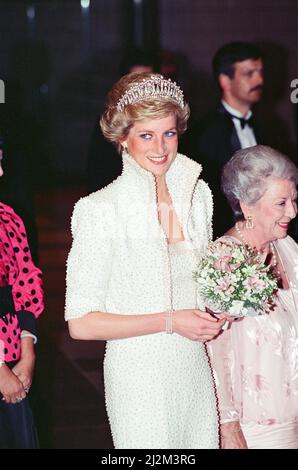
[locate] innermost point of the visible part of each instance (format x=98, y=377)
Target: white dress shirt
x=246, y=135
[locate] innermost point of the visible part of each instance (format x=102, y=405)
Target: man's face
x=247, y=84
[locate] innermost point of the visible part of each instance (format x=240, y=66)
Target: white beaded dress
x=167, y=403
x=158, y=388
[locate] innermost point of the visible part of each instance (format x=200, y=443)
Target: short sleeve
x=89, y=260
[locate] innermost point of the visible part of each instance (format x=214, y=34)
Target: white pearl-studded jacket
x=119, y=259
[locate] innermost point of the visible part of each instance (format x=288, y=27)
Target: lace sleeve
x=222, y=359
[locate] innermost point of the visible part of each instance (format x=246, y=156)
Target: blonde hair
x=116, y=124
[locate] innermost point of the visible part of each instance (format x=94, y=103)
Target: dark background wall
x=61, y=62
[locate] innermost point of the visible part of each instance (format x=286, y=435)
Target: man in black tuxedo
x=238, y=70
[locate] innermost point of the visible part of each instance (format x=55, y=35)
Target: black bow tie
x=249, y=122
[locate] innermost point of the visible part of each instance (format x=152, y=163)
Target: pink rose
x=224, y=286
x=254, y=283
x=223, y=264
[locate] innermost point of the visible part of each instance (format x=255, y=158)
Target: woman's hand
x=196, y=325
x=24, y=370
x=231, y=436
x=11, y=387
x=25, y=367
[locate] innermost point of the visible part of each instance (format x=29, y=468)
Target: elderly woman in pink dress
x=255, y=361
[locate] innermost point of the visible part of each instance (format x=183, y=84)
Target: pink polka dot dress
x=21, y=294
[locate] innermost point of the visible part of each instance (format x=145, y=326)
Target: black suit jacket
x=215, y=140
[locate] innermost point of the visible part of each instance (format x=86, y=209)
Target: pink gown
x=255, y=365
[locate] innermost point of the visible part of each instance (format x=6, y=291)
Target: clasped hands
x=15, y=383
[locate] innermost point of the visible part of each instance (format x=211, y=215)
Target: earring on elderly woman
x=249, y=222
x=272, y=248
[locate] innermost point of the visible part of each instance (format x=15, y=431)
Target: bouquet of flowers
x=233, y=278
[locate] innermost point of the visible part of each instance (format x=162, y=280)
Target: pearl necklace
x=272, y=249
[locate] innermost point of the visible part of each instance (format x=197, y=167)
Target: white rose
x=237, y=308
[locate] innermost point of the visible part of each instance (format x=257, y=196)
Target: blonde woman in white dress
x=129, y=274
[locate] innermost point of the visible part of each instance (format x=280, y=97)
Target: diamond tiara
x=154, y=87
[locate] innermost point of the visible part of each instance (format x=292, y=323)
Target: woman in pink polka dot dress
x=21, y=302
